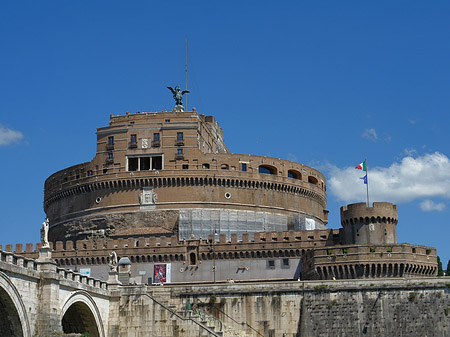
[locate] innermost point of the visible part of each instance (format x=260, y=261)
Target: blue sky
x=325, y=83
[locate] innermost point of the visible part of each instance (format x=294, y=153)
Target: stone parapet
x=169, y=249
x=371, y=261
x=360, y=213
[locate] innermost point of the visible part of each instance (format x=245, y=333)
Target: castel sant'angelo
x=165, y=194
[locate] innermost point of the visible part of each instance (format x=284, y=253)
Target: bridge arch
x=80, y=314
x=13, y=316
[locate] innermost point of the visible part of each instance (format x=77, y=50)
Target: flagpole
x=367, y=180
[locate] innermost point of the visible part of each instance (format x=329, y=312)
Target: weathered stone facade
x=40, y=299
x=169, y=161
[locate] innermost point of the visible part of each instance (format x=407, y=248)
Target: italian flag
x=362, y=166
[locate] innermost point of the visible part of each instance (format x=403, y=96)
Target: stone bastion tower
x=170, y=173
x=376, y=224
x=368, y=248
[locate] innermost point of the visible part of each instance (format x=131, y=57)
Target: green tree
x=440, y=271
x=448, y=269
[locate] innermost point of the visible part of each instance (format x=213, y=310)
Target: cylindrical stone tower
x=376, y=224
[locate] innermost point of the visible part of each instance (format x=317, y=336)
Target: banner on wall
x=85, y=271
x=161, y=273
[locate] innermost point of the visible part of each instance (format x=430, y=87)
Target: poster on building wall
x=161, y=273
x=85, y=271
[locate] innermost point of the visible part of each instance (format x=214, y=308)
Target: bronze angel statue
x=178, y=94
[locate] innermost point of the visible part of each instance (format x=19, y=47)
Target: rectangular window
x=285, y=263
x=157, y=163
x=145, y=164
x=167, y=120
x=185, y=167
x=133, y=139
x=111, y=140
x=179, y=136
x=179, y=151
x=156, y=137
x=110, y=156
x=270, y=264
x=132, y=164
x=244, y=167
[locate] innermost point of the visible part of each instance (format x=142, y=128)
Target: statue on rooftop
x=44, y=234
x=113, y=261
x=178, y=94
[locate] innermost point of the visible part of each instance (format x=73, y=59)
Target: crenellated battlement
x=369, y=261
x=361, y=213
x=267, y=238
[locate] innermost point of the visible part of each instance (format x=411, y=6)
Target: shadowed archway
x=13, y=317
x=79, y=319
x=9, y=317
x=80, y=315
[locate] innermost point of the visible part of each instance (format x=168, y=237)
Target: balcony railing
x=179, y=156
x=156, y=143
x=109, y=147
x=179, y=142
x=109, y=161
x=132, y=145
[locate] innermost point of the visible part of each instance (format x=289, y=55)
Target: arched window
x=312, y=180
x=224, y=167
x=192, y=259
x=294, y=174
x=267, y=169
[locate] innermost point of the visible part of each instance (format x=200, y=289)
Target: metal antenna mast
x=185, y=71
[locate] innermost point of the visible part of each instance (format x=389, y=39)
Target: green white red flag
x=362, y=166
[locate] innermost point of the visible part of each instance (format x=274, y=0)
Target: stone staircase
x=211, y=323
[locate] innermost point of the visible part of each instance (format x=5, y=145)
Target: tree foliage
x=440, y=270
x=448, y=269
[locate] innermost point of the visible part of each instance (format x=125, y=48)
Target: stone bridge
x=39, y=299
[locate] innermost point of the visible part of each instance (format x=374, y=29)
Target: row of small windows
x=262, y=169
x=145, y=163
x=156, y=138
x=372, y=270
x=181, y=257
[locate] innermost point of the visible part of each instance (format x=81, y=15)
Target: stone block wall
x=402, y=307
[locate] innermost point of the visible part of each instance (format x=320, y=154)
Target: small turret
x=376, y=224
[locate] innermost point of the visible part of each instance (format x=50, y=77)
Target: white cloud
x=370, y=134
x=410, y=152
x=430, y=205
x=424, y=177
x=8, y=136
